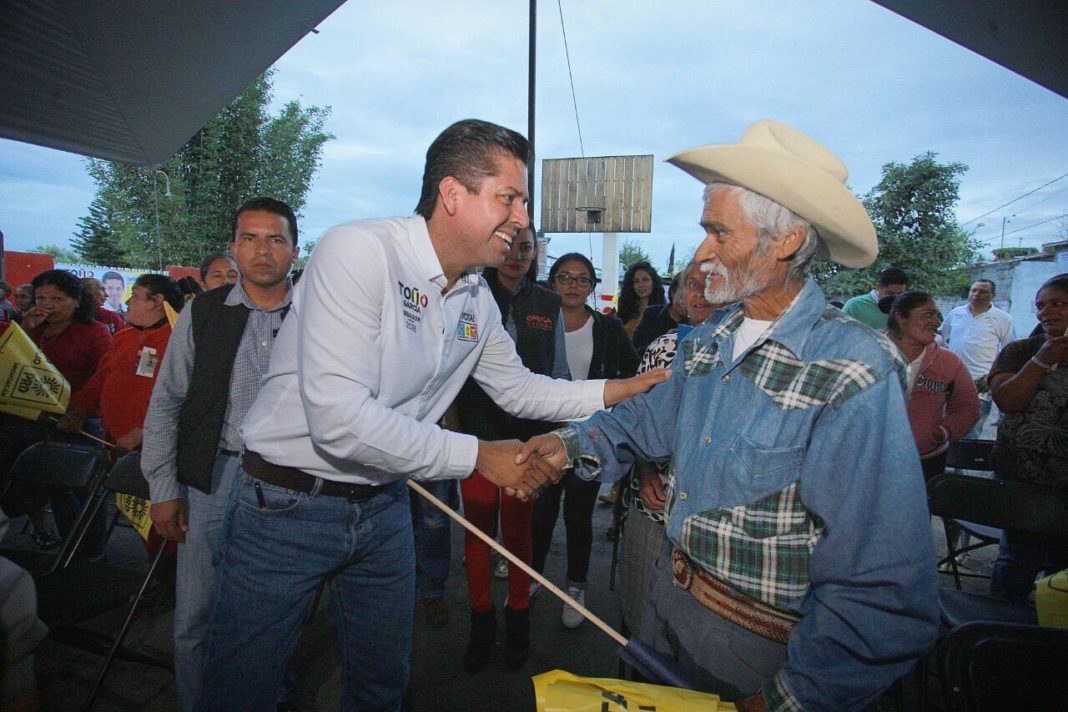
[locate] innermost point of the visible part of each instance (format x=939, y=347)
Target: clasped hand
x=522, y=469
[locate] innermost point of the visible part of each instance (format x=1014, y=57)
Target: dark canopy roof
x=133, y=80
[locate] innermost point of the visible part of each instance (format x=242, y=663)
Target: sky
x=649, y=78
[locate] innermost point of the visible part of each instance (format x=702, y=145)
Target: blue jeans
x=1019, y=562
x=432, y=545
x=273, y=557
x=985, y=406
x=197, y=559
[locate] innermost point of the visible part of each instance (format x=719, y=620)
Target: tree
x=95, y=240
x=59, y=254
x=671, y=263
x=630, y=252
x=912, y=208
x=182, y=211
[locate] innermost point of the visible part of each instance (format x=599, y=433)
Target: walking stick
x=647, y=661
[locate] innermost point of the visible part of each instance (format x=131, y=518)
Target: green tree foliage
x=670, y=263
x=182, y=212
x=59, y=254
x=912, y=208
x=1008, y=253
x=95, y=241
x=630, y=252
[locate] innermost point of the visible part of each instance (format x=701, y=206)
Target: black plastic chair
x=1034, y=513
x=967, y=455
x=1003, y=666
x=63, y=465
x=125, y=478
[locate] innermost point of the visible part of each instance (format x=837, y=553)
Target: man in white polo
x=977, y=331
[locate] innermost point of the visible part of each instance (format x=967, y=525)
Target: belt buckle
x=681, y=571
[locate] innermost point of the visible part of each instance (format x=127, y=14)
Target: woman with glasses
x=597, y=347
x=531, y=315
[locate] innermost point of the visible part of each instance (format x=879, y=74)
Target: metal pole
x=531, y=72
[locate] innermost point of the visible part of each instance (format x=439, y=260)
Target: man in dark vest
x=217, y=355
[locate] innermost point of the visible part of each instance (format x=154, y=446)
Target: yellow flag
x=560, y=691
x=137, y=511
x=172, y=316
x=29, y=383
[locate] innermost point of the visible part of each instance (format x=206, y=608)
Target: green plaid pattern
x=777, y=698
x=762, y=549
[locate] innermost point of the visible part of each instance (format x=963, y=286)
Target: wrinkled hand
x=652, y=492
x=168, y=518
x=1054, y=351
x=499, y=462
x=73, y=420
x=131, y=440
x=620, y=389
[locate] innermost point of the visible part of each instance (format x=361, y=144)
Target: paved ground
x=66, y=674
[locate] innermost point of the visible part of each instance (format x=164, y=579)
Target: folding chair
x=1039, y=513
x=967, y=455
x=63, y=465
x=126, y=478
x=1002, y=666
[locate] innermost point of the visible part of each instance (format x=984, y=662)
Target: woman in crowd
x=643, y=534
x=94, y=292
x=531, y=315
x=61, y=324
x=597, y=347
x=641, y=287
x=217, y=270
x=942, y=402
x=1029, y=383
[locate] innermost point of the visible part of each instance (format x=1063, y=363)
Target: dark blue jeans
x=277, y=547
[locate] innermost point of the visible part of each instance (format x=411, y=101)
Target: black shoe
x=483, y=636
x=516, y=637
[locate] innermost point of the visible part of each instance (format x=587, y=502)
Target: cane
x=647, y=661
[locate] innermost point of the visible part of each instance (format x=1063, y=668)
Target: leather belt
x=300, y=481
x=742, y=610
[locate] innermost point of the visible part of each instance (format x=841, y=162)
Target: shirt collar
x=425, y=256
x=239, y=297
x=792, y=328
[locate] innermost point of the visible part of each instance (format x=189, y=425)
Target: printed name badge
x=467, y=329
x=146, y=362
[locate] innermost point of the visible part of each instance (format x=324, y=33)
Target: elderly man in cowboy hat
x=798, y=572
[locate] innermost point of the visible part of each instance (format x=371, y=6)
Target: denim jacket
x=794, y=479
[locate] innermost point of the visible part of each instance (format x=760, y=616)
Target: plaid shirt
x=795, y=479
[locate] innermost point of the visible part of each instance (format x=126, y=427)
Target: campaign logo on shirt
x=467, y=329
x=537, y=321
x=412, y=304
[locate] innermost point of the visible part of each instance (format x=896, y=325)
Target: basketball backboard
x=601, y=194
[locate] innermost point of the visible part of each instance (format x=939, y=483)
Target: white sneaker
x=501, y=569
x=570, y=617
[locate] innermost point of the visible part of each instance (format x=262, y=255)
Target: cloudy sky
x=650, y=77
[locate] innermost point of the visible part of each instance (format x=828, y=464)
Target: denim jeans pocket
x=265, y=498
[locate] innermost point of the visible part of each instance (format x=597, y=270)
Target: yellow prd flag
x=560, y=691
x=172, y=316
x=136, y=510
x=29, y=383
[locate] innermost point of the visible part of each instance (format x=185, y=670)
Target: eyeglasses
x=566, y=279
x=694, y=286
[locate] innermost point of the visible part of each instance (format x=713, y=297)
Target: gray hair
x=771, y=220
x=679, y=302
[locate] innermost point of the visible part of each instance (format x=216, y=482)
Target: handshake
x=521, y=469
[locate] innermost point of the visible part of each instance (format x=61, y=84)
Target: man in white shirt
x=976, y=332
x=387, y=322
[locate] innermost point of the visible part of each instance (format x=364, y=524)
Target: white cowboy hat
x=785, y=165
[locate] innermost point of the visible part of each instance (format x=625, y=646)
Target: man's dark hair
x=267, y=205
x=113, y=275
x=70, y=285
x=892, y=275
x=468, y=152
x=993, y=287
x=164, y=286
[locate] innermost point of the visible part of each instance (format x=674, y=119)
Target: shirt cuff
x=587, y=466
x=164, y=489
x=777, y=697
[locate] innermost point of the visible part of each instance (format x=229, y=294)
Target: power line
x=1015, y=200
x=1036, y=225
x=574, y=101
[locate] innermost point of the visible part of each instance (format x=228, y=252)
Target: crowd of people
x=774, y=448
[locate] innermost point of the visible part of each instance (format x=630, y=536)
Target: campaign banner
x=137, y=511
x=560, y=691
x=117, y=281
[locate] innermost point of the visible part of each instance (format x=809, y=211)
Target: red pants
x=482, y=501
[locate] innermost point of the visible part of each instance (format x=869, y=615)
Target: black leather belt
x=300, y=481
